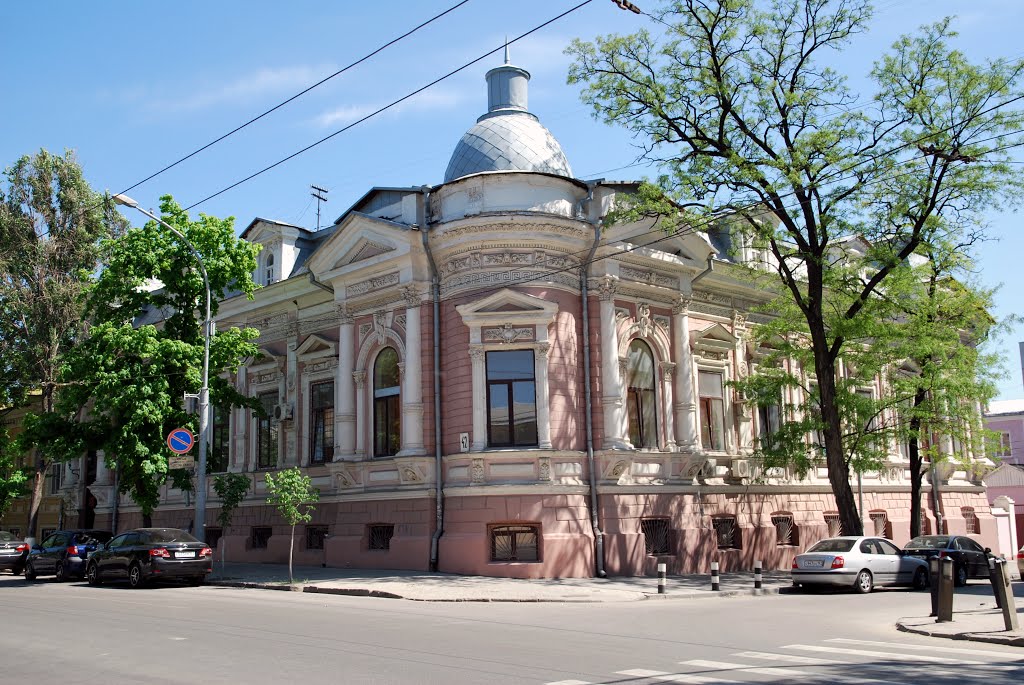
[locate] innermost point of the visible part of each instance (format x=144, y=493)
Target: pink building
x=482, y=378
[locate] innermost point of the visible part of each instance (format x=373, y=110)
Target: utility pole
x=321, y=196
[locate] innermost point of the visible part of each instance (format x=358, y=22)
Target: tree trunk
x=916, y=474
x=38, y=479
x=291, y=546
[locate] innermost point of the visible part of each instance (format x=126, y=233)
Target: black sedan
x=12, y=552
x=146, y=554
x=970, y=560
x=64, y=554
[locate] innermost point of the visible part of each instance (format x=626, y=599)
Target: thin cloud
x=429, y=100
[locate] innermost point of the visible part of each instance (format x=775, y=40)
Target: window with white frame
x=511, y=399
x=1003, y=448
x=267, y=432
x=268, y=272
x=769, y=420
x=321, y=417
x=711, y=389
x=640, y=394
x=387, y=404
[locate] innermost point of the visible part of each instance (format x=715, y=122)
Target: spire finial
x=507, y=61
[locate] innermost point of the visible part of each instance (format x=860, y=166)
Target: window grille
x=380, y=535
x=515, y=543
x=970, y=520
x=785, y=531
x=726, y=533
x=213, y=536
x=656, y=533
x=315, y=536
x=880, y=521
x=926, y=525
x=834, y=523
x=261, y=536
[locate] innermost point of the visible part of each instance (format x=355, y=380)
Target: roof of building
x=508, y=137
x=1005, y=407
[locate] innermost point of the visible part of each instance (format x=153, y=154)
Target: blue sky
x=133, y=86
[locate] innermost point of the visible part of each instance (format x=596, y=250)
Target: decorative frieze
x=507, y=334
x=323, y=365
x=647, y=276
x=370, y=284
x=460, y=231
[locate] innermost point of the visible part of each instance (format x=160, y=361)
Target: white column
x=685, y=407
x=359, y=377
x=479, y=438
x=240, y=418
x=103, y=474
x=291, y=395
x=412, y=386
x=345, y=417
x=611, y=379
x=667, y=373
x=543, y=413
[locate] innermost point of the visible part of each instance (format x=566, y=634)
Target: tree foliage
x=53, y=234
x=293, y=495
x=738, y=104
x=231, y=488
x=144, y=350
x=13, y=478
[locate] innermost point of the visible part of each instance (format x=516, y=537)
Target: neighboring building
x=1005, y=484
x=569, y=405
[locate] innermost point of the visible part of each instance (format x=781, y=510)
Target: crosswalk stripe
x=570, y=682
x=927, y=648
x=675, y=677
x=726, y=666
x=885, y=655
x=791, y=658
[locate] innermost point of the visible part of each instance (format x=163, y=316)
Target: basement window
x=380, y=535
x=261, y=536
x=515, y=543
x=656, y=536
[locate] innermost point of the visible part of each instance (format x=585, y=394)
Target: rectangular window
x=511, y=399
x=266, y=432
x=785, y=530
x=379, y=536
x=515, y=543
x=1003, y=450
x=261, y=536
x=769, y=420
x=656, y=532
x=219, y=436
x=315, y=536
x=712, y=410
x=213, y=536
x=321, y=430
x=726, y=534
x=56, y=477
x=971, y=523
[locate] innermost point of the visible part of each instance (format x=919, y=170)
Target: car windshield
x=6, y=537
x=834, y=545
x=929, y=542
x=169, y=535
x=92, y=537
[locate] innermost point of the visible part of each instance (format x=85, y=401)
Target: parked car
x=970, y=560
x=858, y=562
x=146, y=554
x=12, y=552
x=64, y=554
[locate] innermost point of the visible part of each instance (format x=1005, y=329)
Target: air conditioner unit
x=741, y=468
x=283, y=412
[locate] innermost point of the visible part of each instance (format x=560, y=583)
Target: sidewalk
x=445, y=587
x=975, y=618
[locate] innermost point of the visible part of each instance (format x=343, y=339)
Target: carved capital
x=543, y=349
x=360, y=378
x=682, y=306
x=344, y=317
x=667, y=369
x=606, y=288
x=476, y=353
x=411, y=295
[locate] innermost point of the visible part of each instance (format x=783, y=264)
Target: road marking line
x=885, y=655
x=928, y=648
x=570, y=682
x=674, y=677
x=726, y=666
x=805, y=660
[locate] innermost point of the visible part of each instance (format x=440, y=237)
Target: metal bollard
x=1004, y=595
x=715, y=586
x=995, y=576
x=933, y=584
x=757, y=575
x=661, y=579
x=945, y=612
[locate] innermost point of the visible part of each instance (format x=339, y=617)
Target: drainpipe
x=320, y=284
x=435, y=287
x=705, y=272
x=595, y=522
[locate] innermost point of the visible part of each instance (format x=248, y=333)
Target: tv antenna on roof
x=321, y=196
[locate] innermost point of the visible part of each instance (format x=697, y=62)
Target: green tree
x=13, y=478
x=738, y=105
x=53, y=232
x=293, y=495
x=144, y=349
x=231, y=488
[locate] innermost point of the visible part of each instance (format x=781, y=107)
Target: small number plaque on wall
x=463, y=442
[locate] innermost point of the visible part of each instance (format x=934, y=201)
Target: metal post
x=995, y=576
x=933, y=584
x=945, y=608
x=1004, y=595
x=661, y=579
x=715, y=586
x=757, y=575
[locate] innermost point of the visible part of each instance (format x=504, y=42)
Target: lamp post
x=199, y=527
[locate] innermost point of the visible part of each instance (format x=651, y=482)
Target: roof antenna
x=506, y=50
x=320, y=195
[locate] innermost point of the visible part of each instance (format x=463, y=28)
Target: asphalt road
x=72, y=633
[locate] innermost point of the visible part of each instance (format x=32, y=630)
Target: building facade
x=481, y=377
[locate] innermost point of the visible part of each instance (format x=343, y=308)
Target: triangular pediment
x=507, y=306
x=365, y=248
x=716, y=336
x=315, y=346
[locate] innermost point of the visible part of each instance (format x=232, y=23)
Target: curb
x=992, y=638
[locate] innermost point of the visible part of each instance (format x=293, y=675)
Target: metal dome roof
x=508, y=137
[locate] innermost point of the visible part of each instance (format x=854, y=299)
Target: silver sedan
x=858, y=562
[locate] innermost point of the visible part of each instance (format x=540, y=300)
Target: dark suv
x=12, y=552
x=64, y=554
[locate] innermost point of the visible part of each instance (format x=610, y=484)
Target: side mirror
x=988, y=550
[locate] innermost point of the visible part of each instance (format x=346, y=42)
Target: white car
x=859, y=563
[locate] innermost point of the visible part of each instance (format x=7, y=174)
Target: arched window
x=387, y=404
x=269, y=269
x=643, y=423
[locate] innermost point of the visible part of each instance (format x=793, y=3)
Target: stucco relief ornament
x=644, y=325
x=606, y=289
x=359, y=377
x=477, y=471
x=545, y=468
x=379, y=324
x=508, y=333
x=411, y=296
x=409, y=475
x=344, y=317
x=617, y=470
x=682, y=305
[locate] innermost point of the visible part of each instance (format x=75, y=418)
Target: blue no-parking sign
x=180, y=440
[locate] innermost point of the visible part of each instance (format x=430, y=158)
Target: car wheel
x=960, y=576
x=920, y=581
x=864, y=583
x=135, y=579
x=30, y=572
x=59, y=575
x=92, y=574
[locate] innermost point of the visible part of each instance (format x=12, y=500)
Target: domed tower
x=508, y=137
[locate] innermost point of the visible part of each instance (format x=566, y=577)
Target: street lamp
x=199, y=528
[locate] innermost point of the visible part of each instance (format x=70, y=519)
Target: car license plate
x=184, y=555
x=814, y=563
